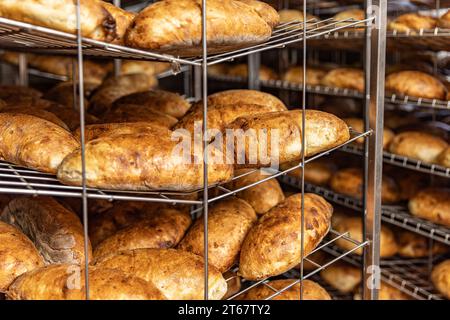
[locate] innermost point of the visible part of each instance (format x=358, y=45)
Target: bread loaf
x=151, y=68
x=261, y=197
x=432, y=204
x=11, y=91
x=440, y=276
x=62, y=93
x=56, y=231
x=290, y=15
x=133, y=113
x=122, y=18
x=415, y=84
x=270, y=102
x=318, y=172
x=412, y=245
x=66, y=282
x=281, y=138
x=350, y=16
x=444, y=158
x=354, y=227
x=33, y=142
x=163, y=229
x=230, y=25
x=411, y=22
x=71, y=117
x=444, y=21
x=142, y=161
x=157, y=100
x=311, y=291
x=18, y=255
x=228, y=223
x=345, y=78
x=269, y=14
x=357, y=124
x=43, y=114
x=98, y=23
x=241, y=70
x=418, y=145
x=313, y=75
x=272, y=246
x=342, y=276
x=177, y=274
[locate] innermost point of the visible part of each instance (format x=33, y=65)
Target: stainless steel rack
x=404, y=162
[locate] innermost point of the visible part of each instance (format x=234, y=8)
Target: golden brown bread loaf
x=342, y=276
x=444, y=158
x=415, y=84
x=17, y=255
x=345, y=78
x=289, y=15
x=350, y=16
x=272, y=246
x=357, y=124
x=282, y=139
x=142, y=161
x=318, y=172
x=177, y=274
x=241, y=70
x=354, y=227
x=163, y=229
x=62, y=93
x=418, y=145
x=98, y=23
x=122, y=18
x=311, y=291
x=56, y=231
x=269, y=14
x=66, y=282
x=151, y=68
x=12, y=91
x=440, y=276
x=33, y=142
x=444, y=21
x=229, y=221
x=43, y=114
x=432, y=204
x=130, y=113
x=261, y=197
x=117, y=87
x=159, y=100
x=71, y=117
x=349, y=181
x=230, y=25
x=227, y=97
x=412, y=245
x=410, y=22
x=313, y=75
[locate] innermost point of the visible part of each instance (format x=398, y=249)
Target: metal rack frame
x=27, y=37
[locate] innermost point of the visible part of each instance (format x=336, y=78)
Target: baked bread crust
x=241, y=70
x=412, y=22
x=318, y=172
x=440, y=276
x=444, y=158
x=357, y=124
x=345, y=78
x=432, y=204
x=444, y=21
x=313, y=75
x=412, y=245
x=43, y=114
x=416, y=84
x=131, y=113
x=342, y=276
x=272, y=246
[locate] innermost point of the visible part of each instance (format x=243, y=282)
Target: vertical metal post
x=74, y=84
x=198, y=83
x=117, y=62
x=23, y=69
x=375, y=55
x=205, y=143
x=254, y=64
x=187, y=82
x=83, y=141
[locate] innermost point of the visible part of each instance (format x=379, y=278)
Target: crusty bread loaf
x=342, y=276
x=272, y=246
x=282, y=138
x=418, y=145
x=62, y=93
x=129, y=113
x=157, y=100
x=267, y=12
x=17, y=255
x=34, y=142
x=98, y=23
x=229, y=221
x=313, y=75
x=261, y=197
x=357, y=124
x=410, y=22
x=440, y=276
x=350, y=16
x=43, y=114
x=241, y=70
x=163, y=229
x=151, y=68
x=432, y=204
x=71, y=117
x=66, y=282
x=143, y=161
x=311, y=291
x=178, y=274
x=12, y=91
x=415, y=84
x=412, y=245
x=345, y=78
x=444, y=21
x=56, y=231
x=354, y=227
x=122, y=18
x=230, y=25
x=349, y=181
x=227, y=97
x=318, y=172
x=289, y=15
x=444, y=158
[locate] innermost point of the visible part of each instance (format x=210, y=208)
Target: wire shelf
x=21, y=36
x=404, y=162
x=397, y=215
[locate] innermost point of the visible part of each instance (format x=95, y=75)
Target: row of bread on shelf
x=343, y=175
x=410, y=83
x=136, y=141
x=152, y=251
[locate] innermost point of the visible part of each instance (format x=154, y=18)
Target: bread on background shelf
x=415, y=84
x=440, y=277
x=412, y=22
x=432, y=204
x=345, y=78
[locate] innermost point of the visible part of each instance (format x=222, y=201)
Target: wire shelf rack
x=404, y=162
x=18, y=180
x=22, y=36
x=397, y=215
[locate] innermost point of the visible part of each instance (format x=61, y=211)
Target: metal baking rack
x=403, y=162
x=397, y=215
